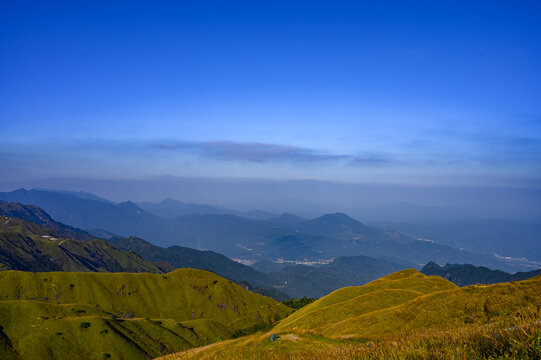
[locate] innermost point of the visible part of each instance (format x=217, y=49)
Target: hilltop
x=88, y=315
x=402, y=315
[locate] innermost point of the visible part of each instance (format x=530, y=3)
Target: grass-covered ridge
x=32, y=247
x=89, y=315
x=403, y=315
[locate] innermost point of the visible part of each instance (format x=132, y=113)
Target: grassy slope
x=31, y=247
x=408, y=283
x=36, y=215
x=41, y=313
x=404, y=315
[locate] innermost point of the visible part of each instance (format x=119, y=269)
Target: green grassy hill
x=128, y=316
x=341, y=304
x=403, y=315
x=182, y=257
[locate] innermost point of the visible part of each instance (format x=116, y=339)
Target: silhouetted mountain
x=170, y=209
x=336, y=225
x=79, y=194
x=467, y=274
x=287, y=218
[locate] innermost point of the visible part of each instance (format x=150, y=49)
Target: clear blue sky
x=407, y=92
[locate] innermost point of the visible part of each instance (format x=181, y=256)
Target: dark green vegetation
x=463, y=275
x=405, y=315
x=132, y=316
x=298, y=303
x=326, y=237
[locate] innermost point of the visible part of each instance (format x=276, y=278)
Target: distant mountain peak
x=338, y=217
x=20, y=191
x=170, y=201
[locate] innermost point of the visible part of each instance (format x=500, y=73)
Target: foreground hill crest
x=135, y=316
x=403, y=315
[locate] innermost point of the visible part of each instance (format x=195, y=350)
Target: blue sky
x=432, y=93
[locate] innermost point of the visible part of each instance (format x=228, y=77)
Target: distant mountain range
x=503, y=237
x=171, y=209
x=287, y=236
x=466, y=274
x=41, y=244
x=45, y=245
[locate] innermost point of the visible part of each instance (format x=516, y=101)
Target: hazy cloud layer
x=257, y=152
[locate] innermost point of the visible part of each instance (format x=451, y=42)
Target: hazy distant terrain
x=286, y=236
x=41, y=244
x=502, y=237
x=465, y=274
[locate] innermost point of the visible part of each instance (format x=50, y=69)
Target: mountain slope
x=182, y=257
x=410, y=282
x=125, y=219
x=403, y=315
x=466, y=274
x=30, y=247
x=87, y=315
x=36, y=215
